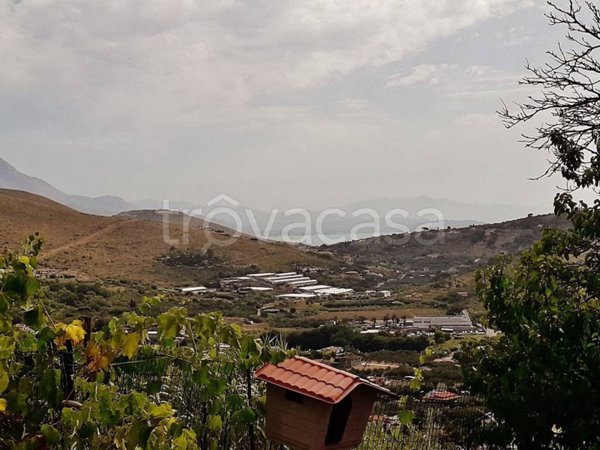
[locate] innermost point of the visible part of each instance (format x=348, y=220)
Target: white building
x=193, y=290
x=334, y=292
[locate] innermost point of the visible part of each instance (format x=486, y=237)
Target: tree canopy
x=541, y=376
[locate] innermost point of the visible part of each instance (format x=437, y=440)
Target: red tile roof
x=441, y=396
x=313, y=379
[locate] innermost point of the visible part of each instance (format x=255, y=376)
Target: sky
x=275, y=103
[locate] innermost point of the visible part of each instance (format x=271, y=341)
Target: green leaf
x=31, y=287
x=202, y=376
x=247, y=416
x=51, y=434
x=34, y=317
x=3, y=303
x=168, y=325
x=4, y=380
x=160, y=411
x=215, y=423
x=138, y=434
x=50, y=387
x=406, y=417
x=131, y=344
x=87, y=430
x=7, y=347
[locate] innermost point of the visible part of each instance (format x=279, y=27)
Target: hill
x=96, y=247
x=175, y=218
x=391, y=215
x=11, y=178
x=427, y=254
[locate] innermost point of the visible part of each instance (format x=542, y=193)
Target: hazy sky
x=276, y=103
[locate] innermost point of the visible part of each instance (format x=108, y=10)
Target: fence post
x=249, y=386
x=87, y=326
x=68, y=371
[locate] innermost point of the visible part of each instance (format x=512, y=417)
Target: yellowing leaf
x=2, y=405
x=160, y=411
x=130, y=344
x=98, y=358
x=92, y=351
x=73, y=332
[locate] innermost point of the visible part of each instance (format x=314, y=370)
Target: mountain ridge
x=11, y=178
x=417, y=212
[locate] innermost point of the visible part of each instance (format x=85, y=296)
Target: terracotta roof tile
x=441, y=396
x=313, y=379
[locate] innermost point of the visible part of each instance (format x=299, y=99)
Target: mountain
x=99, y=247
x=451, y=211
x=384, y=216
x=11, y=178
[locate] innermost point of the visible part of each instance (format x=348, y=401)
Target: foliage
x=62, y=387
x=342, y=335
x=540, y=377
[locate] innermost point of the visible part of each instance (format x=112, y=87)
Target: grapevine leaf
x=130, y=344
x=161, y=411
x=215, y=423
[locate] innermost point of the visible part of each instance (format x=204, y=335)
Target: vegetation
x=342, y=335
x=62, y=386
x=540, y=378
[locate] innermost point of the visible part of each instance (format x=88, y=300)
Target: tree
x=541, y=376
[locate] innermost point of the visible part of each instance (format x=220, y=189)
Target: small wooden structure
x=312, y=406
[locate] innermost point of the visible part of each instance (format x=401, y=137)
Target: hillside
x=175, y=218
x=454, y=250
x=95, y=247
x=11, y=178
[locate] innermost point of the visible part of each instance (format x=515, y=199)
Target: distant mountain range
x=11, y=178
x=354, y=221
x=363, y=219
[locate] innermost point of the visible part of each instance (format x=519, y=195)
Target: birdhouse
x=312, y=406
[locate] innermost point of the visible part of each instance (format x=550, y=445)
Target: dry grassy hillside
x=438, y=250
x=93, y=247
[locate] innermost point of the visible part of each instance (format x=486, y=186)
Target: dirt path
x=83, y=241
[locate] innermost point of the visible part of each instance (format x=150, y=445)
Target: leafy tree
x=541, y=377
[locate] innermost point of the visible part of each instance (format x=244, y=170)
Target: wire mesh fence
x=435, y=420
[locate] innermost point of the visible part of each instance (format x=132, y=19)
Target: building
x=461, y=322
x=313, y=406
x=193, y=290
x=334, y=292
x=302, y=283
x=249, y=289
x=314, y=288
x=302, y=296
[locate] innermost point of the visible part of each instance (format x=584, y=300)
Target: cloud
x=422, y=75
x=123, y=64
x=269, y=101
x=454, y=80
